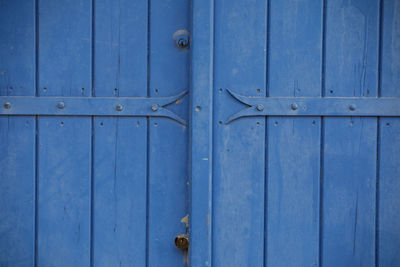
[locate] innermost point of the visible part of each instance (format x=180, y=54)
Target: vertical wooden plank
x=349, y=175
x=64, y=192
x=119, y=233
x=120, y=144
x=17, y=190
x=201, y=113
x=390, y=48
x=389, y=139
x=294, y=143
x=168, y=140
x=239, y=147
x=64, y=167
x=389, y=190
x=17, y=135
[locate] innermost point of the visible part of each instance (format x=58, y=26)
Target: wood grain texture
x=239, y=147
x=388, y=232
x=17, y=135
x=168, y=141
x=295, y=59
x=349, y=166
x=64, y=143
x=120, y=144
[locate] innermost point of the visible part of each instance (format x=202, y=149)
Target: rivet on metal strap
x=352, y=107
x=154, y=107
x=119, y=107
x=7, y=105
x=260, y=107
x=61, y=105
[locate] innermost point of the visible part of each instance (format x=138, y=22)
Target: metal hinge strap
x=316, y=106
x=91, y=106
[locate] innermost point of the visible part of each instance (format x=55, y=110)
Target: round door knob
x=182, y=242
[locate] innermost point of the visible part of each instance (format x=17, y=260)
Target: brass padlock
x=182, y=242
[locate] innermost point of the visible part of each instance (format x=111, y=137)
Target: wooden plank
x=64, y=156
x=201, y=122
x=17, y=135
x=64, y=191
x=17, y=190
x=120, y=144
x=168, y=141
x=293, y=192
x=349, y=192
x=295, y=49
x=119, y=211
x=388, y=195
x=239, y=147
x=349, y=166
x=388, y=232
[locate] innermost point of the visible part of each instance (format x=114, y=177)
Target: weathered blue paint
x=89, y=189
x=350, y=144
x=167, y=147
x=63, y=148
x=388, y=146
x=17, y=146
x=286, y=154
x=95, y=106
x=314, y=106
x=292, y=194
x=201, y=126
x=119, y=146
x=294, y=186
x=238, y=148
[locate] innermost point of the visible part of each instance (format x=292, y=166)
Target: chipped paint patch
x=185, y=220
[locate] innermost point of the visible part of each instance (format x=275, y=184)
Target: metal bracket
x=316, y=106
x=91, y=106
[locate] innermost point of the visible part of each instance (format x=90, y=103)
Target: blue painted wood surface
x=238, y=148
x=331, y=184
x=64, y=143
x=293, y=144
x=168, y=141
x=103, y=195
x=17, y=135
x=388, y=173
x=119, y=144
x=90, y=190
x=201, y=125
x=349, y=164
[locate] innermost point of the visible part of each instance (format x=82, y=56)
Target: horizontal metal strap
x=91, y=106
x=316, y=106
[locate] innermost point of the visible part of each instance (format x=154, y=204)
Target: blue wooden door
x=93, y=153
x=295, y=133
x=272, y=139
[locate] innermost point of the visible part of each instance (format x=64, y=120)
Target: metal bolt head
x=119, y=107
x=154, y=107
x=182, y=242
x=352, y=107
x=294, y=106
x=61, y=105
x=260, y=107
x=182, y=41
x=7, y=105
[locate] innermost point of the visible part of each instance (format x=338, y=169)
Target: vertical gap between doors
x=36, y=133
x=378, y=133
x=322, y=138
x=92, y=138
x=148, y=134
x=266, y=86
